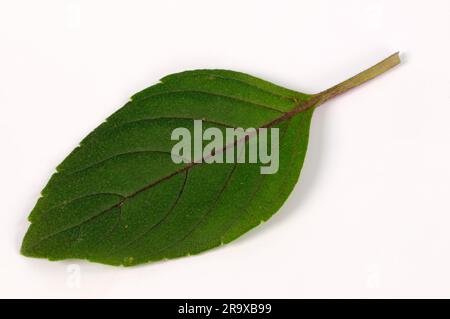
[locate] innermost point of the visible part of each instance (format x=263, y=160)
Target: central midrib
x=302, y=106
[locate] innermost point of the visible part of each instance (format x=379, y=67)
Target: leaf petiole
x=322, y=97
x=360, y=78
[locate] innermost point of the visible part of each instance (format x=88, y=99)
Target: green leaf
x=119, y=198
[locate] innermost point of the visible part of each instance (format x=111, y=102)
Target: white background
x=370, y=216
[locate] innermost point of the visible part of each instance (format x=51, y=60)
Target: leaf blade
x=123, y=144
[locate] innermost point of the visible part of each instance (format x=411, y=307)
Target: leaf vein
x=204, y=216
x=252, y=197
x=211, y=94
x=238, y=81
x=115, y=156
x=175, y=203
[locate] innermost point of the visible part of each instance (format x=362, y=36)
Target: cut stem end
x=359, y=79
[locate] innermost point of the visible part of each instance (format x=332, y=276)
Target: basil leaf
x=120, y=199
